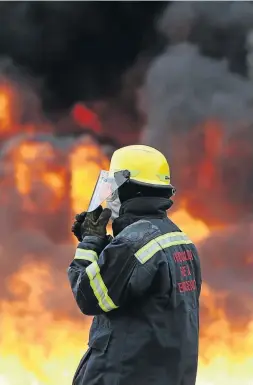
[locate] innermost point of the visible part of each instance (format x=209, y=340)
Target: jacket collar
x=146, y=206
x=140, y=208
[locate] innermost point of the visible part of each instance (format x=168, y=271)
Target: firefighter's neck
x=145, y=206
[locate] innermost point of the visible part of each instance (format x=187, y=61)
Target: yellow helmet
x=145, y=164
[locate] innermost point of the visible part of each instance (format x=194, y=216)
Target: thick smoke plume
x=81, y=51
x=204, y=117
x=219, y=29
x=199, y=110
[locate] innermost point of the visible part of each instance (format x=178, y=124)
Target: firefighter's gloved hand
x=77, y=227
x=95, y=222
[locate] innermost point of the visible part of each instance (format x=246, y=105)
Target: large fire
x=42, y=335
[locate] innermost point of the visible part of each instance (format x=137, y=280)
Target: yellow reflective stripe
x=87, y=255
x=147, y=251
x=162, y=242
x=99, y=289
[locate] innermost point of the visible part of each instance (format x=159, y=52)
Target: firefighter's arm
x=106, y=281
x=86, y=255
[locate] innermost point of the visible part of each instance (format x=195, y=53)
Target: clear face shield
x=106, y=188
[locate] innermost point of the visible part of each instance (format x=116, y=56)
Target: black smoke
x=188, y=86
x=79, y=49
x=219, y=29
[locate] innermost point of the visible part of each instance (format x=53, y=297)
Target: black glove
x=77, y=227
x=95, y=222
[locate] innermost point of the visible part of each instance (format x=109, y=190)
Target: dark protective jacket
x=143, y=289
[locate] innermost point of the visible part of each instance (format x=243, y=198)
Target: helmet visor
x=106, y=187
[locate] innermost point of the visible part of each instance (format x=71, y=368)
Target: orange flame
x=86, y=162
x=5, y=109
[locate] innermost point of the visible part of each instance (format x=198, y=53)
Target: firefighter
x=142, y=286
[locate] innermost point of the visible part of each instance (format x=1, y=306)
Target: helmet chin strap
x=114, y=206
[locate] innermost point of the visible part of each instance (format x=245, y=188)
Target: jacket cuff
x=95, y=243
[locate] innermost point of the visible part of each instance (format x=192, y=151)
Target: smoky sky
x=219, y=29
x=79, y=49
x=186, y=87
x=89, y=51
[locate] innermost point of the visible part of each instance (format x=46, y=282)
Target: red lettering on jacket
x=185, y=270
x=187, y=286
x=182, y=256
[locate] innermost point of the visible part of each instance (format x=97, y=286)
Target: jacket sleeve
x=103, y=281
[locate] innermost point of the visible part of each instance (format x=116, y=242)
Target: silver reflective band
x=99, y=289
x=86, y=255
x=161, y=242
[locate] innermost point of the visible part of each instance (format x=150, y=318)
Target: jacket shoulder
x=139, y=232
x=173, y=226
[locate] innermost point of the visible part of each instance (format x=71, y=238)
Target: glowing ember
x=86, y=118
x=7, y=117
